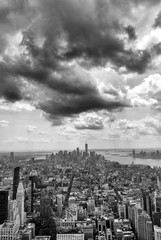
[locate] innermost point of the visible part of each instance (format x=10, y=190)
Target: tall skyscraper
x=157, y=232
x=149, y=229
x=3, y=206
x=77, y=151
x=147, y=203
x=12, y=157
x=45, y=206
x=16, y=179
x=143, y=220
x=86, y=149
x=31, y=193
x=59, y=199
x=20, y=202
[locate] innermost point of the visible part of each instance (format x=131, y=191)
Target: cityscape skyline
x=80, y=71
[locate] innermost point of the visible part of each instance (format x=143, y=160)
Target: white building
x=70, y=236
x=59, y=199
x=8, y=231
x=20, y=203
x=157, y=232
x=13, y=213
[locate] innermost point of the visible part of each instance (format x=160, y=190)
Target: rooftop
x=42, y=238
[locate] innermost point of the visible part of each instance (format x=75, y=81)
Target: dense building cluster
x=78, y=195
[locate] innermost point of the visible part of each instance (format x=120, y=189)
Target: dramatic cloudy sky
x=77, y=71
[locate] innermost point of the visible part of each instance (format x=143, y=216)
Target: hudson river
x=124, y=156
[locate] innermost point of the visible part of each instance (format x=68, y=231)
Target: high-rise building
x=157, y=233
x=3, y=206
x=86, y=149
x=78, y=151
x=11, y=157
x=158, y=203
x=16, y=179
x=20, y=202
x=156, y=218
x=147, y=203
x=149, y=230
x=137, y=211
x=121, y=210
x=31, y=194
x=59, y=199
x=8, y=230
x=143, y=218
x=45, y=206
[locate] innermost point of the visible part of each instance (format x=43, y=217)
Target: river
x=124, y=156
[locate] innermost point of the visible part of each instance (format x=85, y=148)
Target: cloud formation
x=58, y=44
x=4, y=123
x=89, y=121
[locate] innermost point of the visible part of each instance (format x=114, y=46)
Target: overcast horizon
x=77, y=71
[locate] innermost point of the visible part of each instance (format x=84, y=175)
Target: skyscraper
x=45, y=206
x=16, y=179
x=12, y=157
x=20, y=202
x=31, y=193
x=144, y=221
x=86, y=149
x=3, y=206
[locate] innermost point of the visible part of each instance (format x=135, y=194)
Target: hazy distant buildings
x=3, y=206
x=86, y=149
x=16, y=179
x=11, y=157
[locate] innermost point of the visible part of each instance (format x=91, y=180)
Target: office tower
x=156, y=218
x=16, y=179
x=59, y=199
x=121, y=210
x=143, y=218
x=13, y=213
x=158, y=183
x=146, y=203
x=20, y=202
x=3, y=206
x=8, y=230
x=157, y=233
x=149, y=230
x=12, y=157
x=137, y=211
x=158, y=203
x=45, y=206
x=31, y=194
x=77, y=151
x=86, y=149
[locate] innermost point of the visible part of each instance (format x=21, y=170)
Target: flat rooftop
x=42, y=238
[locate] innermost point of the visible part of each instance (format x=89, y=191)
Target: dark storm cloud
x=70, y=105
x=131, y=32
x=61, y=32
x=157, y=22
x=9, y=88
x=90, y=34
x=10, y=91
